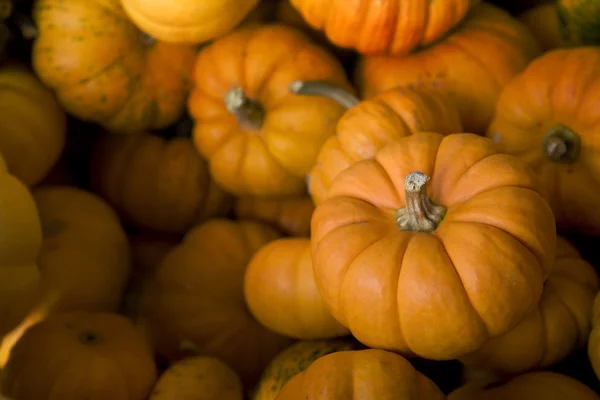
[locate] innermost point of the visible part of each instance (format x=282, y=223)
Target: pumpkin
x=559, y=325
x=543, y=22
x=187, y=21
x=20, y=244
x=156, y=183
x=471, y=65
x=369, y=125
x=535, y=385
x=105, y=70
x=260, y=138
x=295, y=359
x=593, y=346
x=80, y=355
x=579, y=21
x=290, y=215
x=198, y=378
x=197, y=301
x=32, y=123
x=389, y=250
x=394, y=27
x=547, y=117
x=366, y=374
x=281, y=293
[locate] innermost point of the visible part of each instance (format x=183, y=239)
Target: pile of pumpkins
x=299, y=200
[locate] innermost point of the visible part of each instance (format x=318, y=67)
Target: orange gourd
x=105, y=70
x=260, y=138
x=360, y=374
x=157, y=183
x=32, y=123
x=471, y=65
x=80, y=355
x=290, y=215
x=197, y=299
x=547, y=117
x=395, y=26
x=560, y=324
x=281, y=292
x=391, y=255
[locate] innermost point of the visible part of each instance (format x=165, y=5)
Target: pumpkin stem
x=562, y=145
x=325, y=89
x=420, y=213
x=24, y=24
x=248, y=112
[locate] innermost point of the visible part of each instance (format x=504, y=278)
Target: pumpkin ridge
x=560, y=300
x=476, y=60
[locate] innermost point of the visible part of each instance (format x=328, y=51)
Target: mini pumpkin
x=368, y=374
x=107, y=71
x=395, y=27
x=471, y=65
x=198, y=378
x=80, y=355
x=544, y=23
x=32, y=123
x=197, y=301
x=157, y=183
x=259, y=137
x=290, y=215
x=560, y=324
x=389, y=250
x=547, y=117
x=295, y=359
x=281, y=293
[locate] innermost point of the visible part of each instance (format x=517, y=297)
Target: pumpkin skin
x=32, y=123
x=388, y=256
x=281, y=293
x=371, y=124
x=579, y=21
x=198, y=378
x=360, y=374
x=269, y=141
x=535, y=385
x=20, y=245
x=593, y=346
x=85, y=355
x=155, y=183
x=289, y=215
x=394, y=27
x=104, y=70
x=471, y=65
x=197, y=299
x=543, y=22
x=560, y=324
x=187, y=21
x=295, y=359
x=546, y=116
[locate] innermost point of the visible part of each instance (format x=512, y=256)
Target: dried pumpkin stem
x=248, y=112
x=562, y=145
x=24, y=24
x=420, y=213
x=325, y=89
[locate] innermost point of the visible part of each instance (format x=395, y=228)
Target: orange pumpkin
x=32, y=123
x=560, y=324
x=390, y=256
x=105, y=70
x=290, y=215
x=593, y=346
x=198, y=378
x=369, y=125
x=471, y=65
x=535, y=385
x=281, y=292
x=544, y=23
x=547, y=117
x=364, y=374
x=80, y=355
x=197, y=299
x=259, y=137
x=395, y=27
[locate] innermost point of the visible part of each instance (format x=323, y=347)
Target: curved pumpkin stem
x=562, y=145
x=248, y=112
x=325, y=89
x=420, y=213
